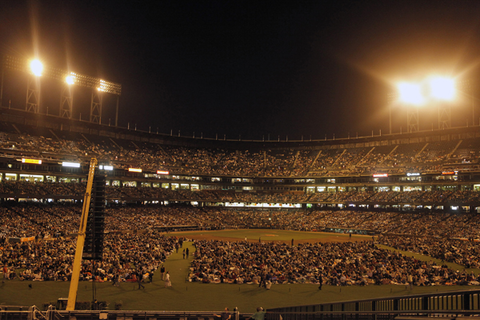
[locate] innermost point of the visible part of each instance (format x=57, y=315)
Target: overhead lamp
x=442, y=88
x=36, y=67
x=410, y=93
x=70, y=79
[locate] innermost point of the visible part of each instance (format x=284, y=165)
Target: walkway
x=177, y=266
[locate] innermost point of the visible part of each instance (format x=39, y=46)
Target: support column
x=33, y=95
x=444, y=116
x=413, y=123
x=66, y=102
x=96, y=107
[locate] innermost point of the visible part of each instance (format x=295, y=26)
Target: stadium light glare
x=70, y=79
x=410, y=93
x=103, y=85
x=442, y=88
x=36, y=67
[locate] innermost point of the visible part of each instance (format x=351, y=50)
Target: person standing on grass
x=162, y=272
x=5, y=272
x=139, y=280
x=168, y=283
x=115, y=280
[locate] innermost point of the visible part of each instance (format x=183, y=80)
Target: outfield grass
x=202, y=297
x=267, y=235
x=187, y=296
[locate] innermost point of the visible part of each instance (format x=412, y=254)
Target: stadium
x=249, y=212
x=101, y=218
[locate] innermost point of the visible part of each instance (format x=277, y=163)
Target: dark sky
x=254, y=68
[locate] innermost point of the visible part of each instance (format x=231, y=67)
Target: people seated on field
x=133, y=243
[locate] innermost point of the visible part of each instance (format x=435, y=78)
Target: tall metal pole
x=116, y=112
x=72, y=294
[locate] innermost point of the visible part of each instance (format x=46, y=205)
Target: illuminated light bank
x=31, y=161
x=70, y=164
x=380, y=175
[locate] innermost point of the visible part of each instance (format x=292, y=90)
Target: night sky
x=255, y=69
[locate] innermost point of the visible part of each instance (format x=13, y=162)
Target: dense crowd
x=37, y=242
x=46, y=221
x=282, y=162
x=461, y=251
x=349, y=263
x=135, y=246
x=40, y=241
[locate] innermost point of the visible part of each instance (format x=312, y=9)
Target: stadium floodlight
x=102, y=86
x=19, y=64
x=442, y=88
x=70, y=79
x=410, y=93
x=36, y=67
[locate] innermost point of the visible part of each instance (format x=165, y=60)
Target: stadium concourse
x=416, y=192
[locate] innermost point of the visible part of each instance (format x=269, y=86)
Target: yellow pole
x=72, y=294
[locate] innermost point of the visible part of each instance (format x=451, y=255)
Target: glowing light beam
x=410, y=93
x=36, y=67
x=442, y=88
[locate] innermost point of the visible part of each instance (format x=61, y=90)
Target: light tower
x=66, y=98
x=443, y=91
x=411, y=95
x=439, y=91
x=98, y=86
x=33, y=86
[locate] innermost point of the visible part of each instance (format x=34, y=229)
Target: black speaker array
x=93, y=249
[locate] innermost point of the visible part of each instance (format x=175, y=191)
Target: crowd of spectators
x=282, y=162
x=47, y=220
x=349, y=263
x=39, y=242
x=460, y=251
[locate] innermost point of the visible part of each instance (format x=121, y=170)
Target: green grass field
x=188, y=296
